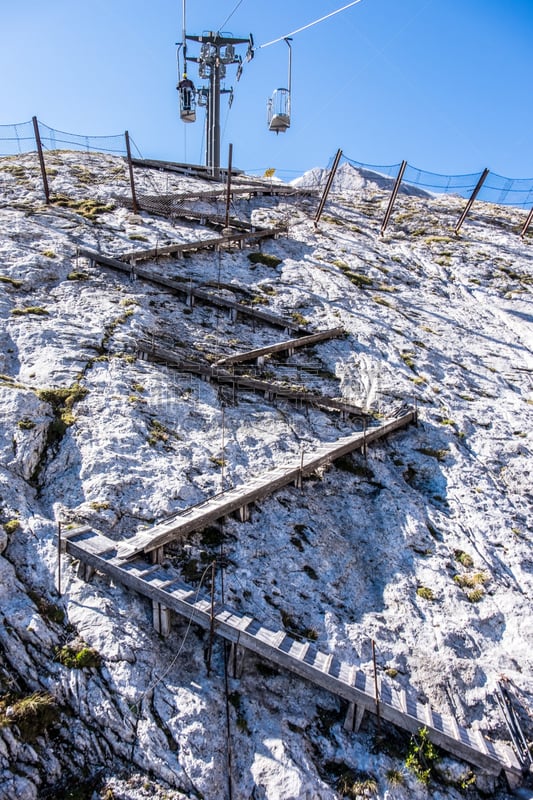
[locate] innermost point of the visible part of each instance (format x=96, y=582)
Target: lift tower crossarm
x=216, y=38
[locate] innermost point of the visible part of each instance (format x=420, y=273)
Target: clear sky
x=444, y=84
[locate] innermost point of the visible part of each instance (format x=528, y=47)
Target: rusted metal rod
x=130, y=169
x=327, y=189
x=395, y=190
x=376, y=689
x=527, y=223
x=212, y=617
x=41, y=159
x=228, y=186
x=470, y=203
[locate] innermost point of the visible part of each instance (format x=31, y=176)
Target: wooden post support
x=85, y=571
x=41, y=159
x=527, y=224
x=130, y=169
x=161, y=618
x=157, y=555
x=470, y=203
x=376, y=688
x=328, y=186
x=237, y=656
x=354, y=718
x=395, y=191
x=299, y=478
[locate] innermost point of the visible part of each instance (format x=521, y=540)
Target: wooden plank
x=279, y=347
x=195, y=291
x=265, y=642
x=267, y=388
x=237, y=237
x=225, y=503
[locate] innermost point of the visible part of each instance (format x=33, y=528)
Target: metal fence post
x=41, y=159
x=527, y=223
x=470, y=203
x=395, y=190
x=130, y=168
x=328, y=186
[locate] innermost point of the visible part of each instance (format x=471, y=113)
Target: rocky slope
x=424, y=548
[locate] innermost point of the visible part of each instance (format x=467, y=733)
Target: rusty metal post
x=59, y=543
x=395, y=191
x=41, y=159
x=327, y=189
x=470, y=203
x=212, y=625
x=130, y=169
x=228, y=189
x=376, y=690
x=527, y=223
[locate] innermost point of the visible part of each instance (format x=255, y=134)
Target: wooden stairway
x=240, y=497
x=168, y=592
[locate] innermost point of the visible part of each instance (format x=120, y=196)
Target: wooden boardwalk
x=179, y=249
x=253, y=187
x=192, y=293
x=168, y=593
x=288, y=346
x=241, y=497
x=269, y=389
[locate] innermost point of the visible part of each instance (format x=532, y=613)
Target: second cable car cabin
x=187, y=94
x=279, y=105
x=279, y=111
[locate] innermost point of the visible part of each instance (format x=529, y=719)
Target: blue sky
x=444, y=85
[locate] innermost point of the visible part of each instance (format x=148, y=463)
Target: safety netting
x=16, y=139
x=20, y=138
x=495, y=188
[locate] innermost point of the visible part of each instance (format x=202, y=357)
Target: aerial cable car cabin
x=279, y=105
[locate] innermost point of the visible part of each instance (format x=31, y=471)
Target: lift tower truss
x=217, y=51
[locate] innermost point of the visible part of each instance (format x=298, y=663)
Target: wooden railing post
x=41, y=159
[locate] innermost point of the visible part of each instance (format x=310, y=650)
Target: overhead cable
x=230, y=16
x=310, y=24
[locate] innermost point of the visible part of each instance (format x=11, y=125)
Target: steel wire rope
x=310, y=24
x=230, y=16
x=158, y=680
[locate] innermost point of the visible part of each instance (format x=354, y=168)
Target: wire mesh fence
x=496, y=188
x=19, y=138
x=16, y=139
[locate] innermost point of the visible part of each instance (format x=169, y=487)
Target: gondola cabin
x=279, y=111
